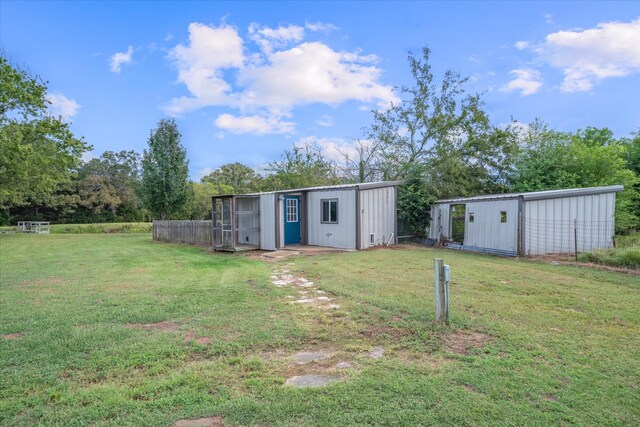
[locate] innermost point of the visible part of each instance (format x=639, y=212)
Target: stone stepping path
x=308, y=293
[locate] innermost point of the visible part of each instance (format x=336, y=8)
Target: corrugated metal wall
x=549, y=224
x=487, y=231
x=341, y=235
x=439, y=221
x=268, y=222
x=248, y=226
x=377, y=216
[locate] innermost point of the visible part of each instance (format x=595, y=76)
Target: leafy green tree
x=240, y=178
x=414, y=203
x=589, y=158
x=165, y=187
x=300, y=167
x=440, y=128
x=37, y=151
x=200, y=205
x=110, y=183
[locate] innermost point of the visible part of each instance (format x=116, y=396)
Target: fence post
x=575, y=237
x=441, y=292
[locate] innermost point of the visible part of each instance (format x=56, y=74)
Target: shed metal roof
x=360, y=186
x=539, y=195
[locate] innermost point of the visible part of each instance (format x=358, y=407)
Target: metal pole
x=575, y=237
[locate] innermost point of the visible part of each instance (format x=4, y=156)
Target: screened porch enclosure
x=236, y=222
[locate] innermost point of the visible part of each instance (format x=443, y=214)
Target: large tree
x=38, y=152
x=165, y=186
x=445, y=131
x=588, y=158
x=110, y=184
x=239, y=178
x=300, y=167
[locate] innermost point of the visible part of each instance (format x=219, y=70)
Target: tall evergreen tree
x=165, y=169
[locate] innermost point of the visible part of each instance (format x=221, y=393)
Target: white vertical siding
x=549, y=224
x=487, y=231
x=377, y=216
x=267, y=222
x=341, y=235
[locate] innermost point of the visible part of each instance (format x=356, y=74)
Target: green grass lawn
x=529, y=343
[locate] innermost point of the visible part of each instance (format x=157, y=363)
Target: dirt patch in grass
x=463, y=342
x=160, y=326
x=385, y=332
x=16, y=336
x=420, y=358
x=56, y=280
x=200, y=422
x=191, y=336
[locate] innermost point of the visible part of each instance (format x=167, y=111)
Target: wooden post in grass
x=442, y=291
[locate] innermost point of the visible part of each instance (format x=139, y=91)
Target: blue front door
x=291, y=220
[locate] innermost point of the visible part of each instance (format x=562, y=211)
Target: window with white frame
x=292, y=210
x=329, y=211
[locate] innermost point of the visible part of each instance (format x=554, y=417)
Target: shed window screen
x=329, y=214
x=471, y=216
x=292, y=210
x=503, y=216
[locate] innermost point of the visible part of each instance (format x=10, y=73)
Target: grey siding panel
x=267, y=222
x=377, y=216
x=341, y=235
x=487, y=231
x=549, y=224
x=439, y=221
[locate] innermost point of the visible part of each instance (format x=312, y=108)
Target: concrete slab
x=309, y=381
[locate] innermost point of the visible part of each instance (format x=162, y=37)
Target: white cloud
x=612, y=49
x=219, y=70
x=62, y=106
x=320, y=26
x=121, y=58
x=548, y=18
x=313, y=73
x=270, y=38
x=325, y=121
x=257, y=125
x=527, y=81
x=521, y=45
x=334, y=149
x=200, y=66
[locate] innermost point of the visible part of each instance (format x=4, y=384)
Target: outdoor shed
x=535, y=223
x=350, y=216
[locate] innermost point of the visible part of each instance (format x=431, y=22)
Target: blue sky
x=247, y=80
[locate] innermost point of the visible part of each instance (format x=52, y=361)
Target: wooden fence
x=191, y=232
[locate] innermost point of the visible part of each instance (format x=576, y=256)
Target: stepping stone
x=309, y=381
x=304, y=357
x=376, y=352
x=306, y=285
x=323, y=299
x=344, y=365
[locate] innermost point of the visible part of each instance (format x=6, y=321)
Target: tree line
x=438, y=138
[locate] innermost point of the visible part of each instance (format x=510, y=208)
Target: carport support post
x=442, y=309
